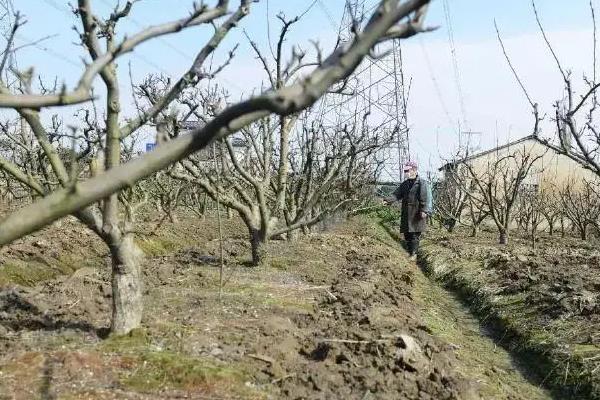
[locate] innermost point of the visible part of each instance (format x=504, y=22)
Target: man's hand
x=424, y=215
x=387, y=201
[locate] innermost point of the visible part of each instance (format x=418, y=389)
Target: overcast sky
x=493, y=103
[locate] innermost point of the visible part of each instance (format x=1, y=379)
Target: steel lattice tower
x=383, y=89
x=379, y=90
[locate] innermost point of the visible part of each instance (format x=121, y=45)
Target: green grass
x=384, y=214
x=545, y=345
x=35, y=269
x=23, y=273
x=31, y=272
x=260, y=294
x=449, y=320
x=154, y=247
x=148, y=369
x=479, y=357
x=166, y=370
x=279, y=264
x=136, y=340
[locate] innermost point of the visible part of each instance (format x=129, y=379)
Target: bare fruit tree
x=458, y=194
x=323, y=167
x=575, y=116
x=499, y=183
x=93, y=198
x=581, y=205
x=551, y=208
x=450, y=197
x=99, y=39
x=532, y=208
x=167, y=194
x=332, y=167
x=255, y=182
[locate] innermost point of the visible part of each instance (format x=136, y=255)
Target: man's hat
x=410, y=165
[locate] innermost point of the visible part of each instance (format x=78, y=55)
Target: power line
x=328, y=15
x=58, y=7
x=436, y=85
x=65, y=11
x=457, y=77
x=308, y=8
x=51, y=52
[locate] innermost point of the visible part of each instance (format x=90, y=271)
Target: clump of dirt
x=366, y=338
x=548, y=298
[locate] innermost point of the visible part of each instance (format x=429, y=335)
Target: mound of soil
x=365, y=338
x=329, y=316
x=547, y=297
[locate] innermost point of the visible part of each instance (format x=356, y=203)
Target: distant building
x=206, y=156
x=553, y=168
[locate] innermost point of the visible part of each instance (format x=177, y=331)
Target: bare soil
x=545, y=299
x=333, y=315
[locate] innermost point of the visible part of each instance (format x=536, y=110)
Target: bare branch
x=288, y=100
x=82, y=92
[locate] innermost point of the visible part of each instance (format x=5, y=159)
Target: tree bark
x=172, y=217
x=583, y=232
x=474, y=231
x=257, y=242
x=306, y=230
x=451, y=225
x=293, y=235
x=127, y=303
x=503, y=239
x=204, y=207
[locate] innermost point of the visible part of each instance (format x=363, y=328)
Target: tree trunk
x=293, y=235
x=474, y=231
x=257, y=242
x=503, y=239
x=172, y=217
x=583, y=232
x=126, y=286
x=204, y=206
x=451, y=225
x=551, y=227
x=305, y=230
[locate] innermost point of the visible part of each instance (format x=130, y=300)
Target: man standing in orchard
x=415, y=197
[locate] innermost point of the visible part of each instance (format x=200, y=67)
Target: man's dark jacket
x=413, y=195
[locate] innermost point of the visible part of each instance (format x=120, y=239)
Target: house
x=553, y=168
x=206, y=156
